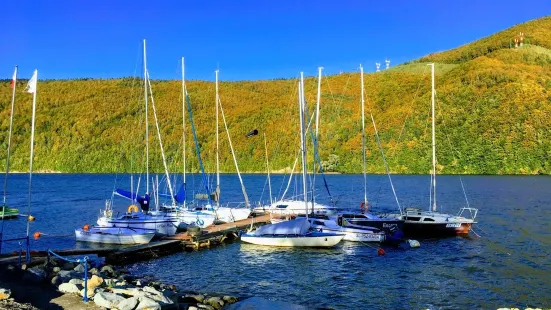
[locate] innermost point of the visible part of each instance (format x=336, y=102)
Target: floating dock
x=180, y=242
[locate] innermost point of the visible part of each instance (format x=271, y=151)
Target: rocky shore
x=61, y=283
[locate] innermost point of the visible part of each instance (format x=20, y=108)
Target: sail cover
x=293, y=227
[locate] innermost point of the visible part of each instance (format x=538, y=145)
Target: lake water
x=508, y=265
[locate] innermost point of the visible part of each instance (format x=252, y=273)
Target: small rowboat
x=7, y=213
x=115, y=235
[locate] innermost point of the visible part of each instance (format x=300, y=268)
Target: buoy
x=37, y=235
x=381, y=252
x=31, y=218
x=86, y=227
x=414, y=243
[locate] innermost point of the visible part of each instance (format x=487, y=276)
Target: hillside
x=493, y=106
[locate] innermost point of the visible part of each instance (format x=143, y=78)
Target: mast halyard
x=363, y=136
x=303, y=140
x=318, y=98
x=217, y=192
x=14, y=81
x=268, y=168
x=184, y=126
x=433, y=141
x=146, y=120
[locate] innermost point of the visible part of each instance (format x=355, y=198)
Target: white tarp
x=293, y=227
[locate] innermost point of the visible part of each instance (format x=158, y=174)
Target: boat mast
x=316, y=137
x=146, y=121
x=31, y=88
x=303, y=140
x=268, y=167
x=14, y=81
x=433, y=142
x=363, y=135
x=184, y=124
x=217, y=146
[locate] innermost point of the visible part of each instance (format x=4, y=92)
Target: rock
x=216, y=302
x=131, y=291
x=128, y=304
x=56, y=281
x=24, y=267
x=196, y=298
x=230, y=299
x=11, y=268
x=79, y=268
x=110, y=282
x=68, y=266
x=90, y=293
x=107, y=300
x=121, y=284
x=68, y=288
x=94, y=271
x=76, y=281
x=4, y=293
x=147, y=303
x=108, y=269
x=56, y=269
x=192, y=308
x=151, y=290
x=94, y=282
x=203, y=306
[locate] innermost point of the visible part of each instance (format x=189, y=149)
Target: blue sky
x=244, y=39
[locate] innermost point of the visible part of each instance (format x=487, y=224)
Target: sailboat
x=134, y=218
x=298, y=232
x=5, y=211
x=432, y=223
x=225, y=214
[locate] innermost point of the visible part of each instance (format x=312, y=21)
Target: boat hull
x=9, y=213
x=99, y=236
x=162, y=227
x=322, y=240
x=426, y=230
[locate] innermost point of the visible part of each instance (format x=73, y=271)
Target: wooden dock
x=180, y=242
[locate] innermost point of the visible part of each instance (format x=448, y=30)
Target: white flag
x=31, y=85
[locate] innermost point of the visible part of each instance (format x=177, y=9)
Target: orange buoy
x=381, y=252
x=37, y=235
x=86, y=227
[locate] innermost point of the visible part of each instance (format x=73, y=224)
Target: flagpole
x=35, y=76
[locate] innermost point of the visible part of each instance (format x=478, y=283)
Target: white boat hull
x=161, y=226
x=229, y=215
x=311, y=240
x=113, y=236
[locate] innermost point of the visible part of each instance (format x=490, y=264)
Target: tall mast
x=316, y=137
x=363, y=135
x=31, y=88
x=433, y=142
x=14, y=81
x=184, y=123
x=268, y=167
x=217, y=146
x=146, y=121
x=303, y=140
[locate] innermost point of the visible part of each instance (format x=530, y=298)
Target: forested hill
x=493, y=116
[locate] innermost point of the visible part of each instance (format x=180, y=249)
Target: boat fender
x=381, y=252
x=414, y=243
x=363, y=207
x=37, y=235
x=86, y=227
x=132, y=208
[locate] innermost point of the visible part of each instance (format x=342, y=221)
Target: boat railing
x=83, y=261
x=472, y=212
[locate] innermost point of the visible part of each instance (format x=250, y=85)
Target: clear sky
x=244, y=39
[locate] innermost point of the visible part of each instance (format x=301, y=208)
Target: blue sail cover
x=180, y=197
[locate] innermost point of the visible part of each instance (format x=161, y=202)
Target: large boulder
x=89, y=293
x=229, y=299
x=56, y=269
x=4, y=293
x=108, y=270
x=147, y=303
x=128, y=304
x=94, y=282
x=107, y=300
x=216, y=302
x=79, y=268
x=193, y=298
x=76, y=281
x=68, y=288
x=56, y=281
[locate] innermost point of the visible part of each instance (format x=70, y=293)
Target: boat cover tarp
x=298, y=226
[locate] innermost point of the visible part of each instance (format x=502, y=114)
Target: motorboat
x=114, y=235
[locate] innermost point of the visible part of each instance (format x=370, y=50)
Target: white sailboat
x=114, y=235
x=144, y=219
x=297, y=232
x=432, y=223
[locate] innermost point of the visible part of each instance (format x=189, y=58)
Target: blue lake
x=508, y=265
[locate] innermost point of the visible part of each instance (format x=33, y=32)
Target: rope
x=80, y=260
